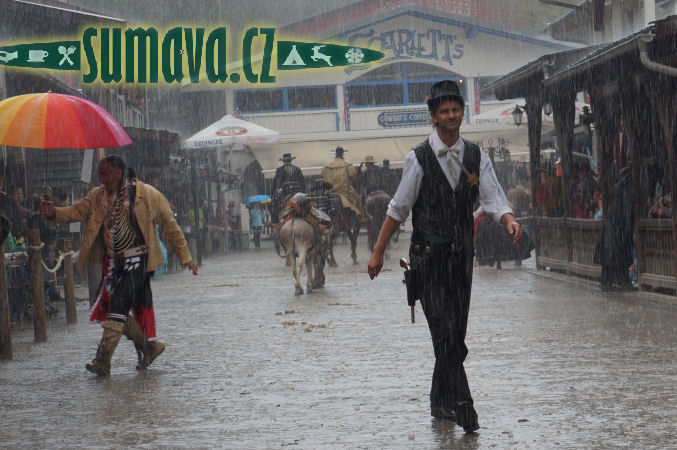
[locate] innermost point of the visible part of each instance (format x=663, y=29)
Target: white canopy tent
x=229, y=131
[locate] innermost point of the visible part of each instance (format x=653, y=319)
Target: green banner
x=307, y=55
x=60, y=55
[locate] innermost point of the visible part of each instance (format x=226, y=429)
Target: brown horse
x=346, y=221
x=375, y=207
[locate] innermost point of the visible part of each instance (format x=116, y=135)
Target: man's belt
x=134, y=251
x=424, y=250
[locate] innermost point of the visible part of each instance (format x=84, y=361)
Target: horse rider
x=323, y=197
x=339, y=173
x=325, y=211
x=372, y=178
x=288, y=180
x=389, y=178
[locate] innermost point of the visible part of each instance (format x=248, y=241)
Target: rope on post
x=58, y=262
x=36, y=247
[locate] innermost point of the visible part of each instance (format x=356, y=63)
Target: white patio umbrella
x=502, y=115
x=228, y=131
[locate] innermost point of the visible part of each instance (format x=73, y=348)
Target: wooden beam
x=666, y=113
x=564, y=110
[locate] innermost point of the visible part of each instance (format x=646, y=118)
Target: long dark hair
x=119, y=164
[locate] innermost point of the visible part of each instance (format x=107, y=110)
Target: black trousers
x=446, y=281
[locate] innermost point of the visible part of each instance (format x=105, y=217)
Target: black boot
x=440, y=412
x=466, y=417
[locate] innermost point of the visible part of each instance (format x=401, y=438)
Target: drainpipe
x=648, y=63
x=649, y=12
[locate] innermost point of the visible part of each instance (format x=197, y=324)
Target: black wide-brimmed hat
x=287, y=157
x=339, y=151
x=444, y=90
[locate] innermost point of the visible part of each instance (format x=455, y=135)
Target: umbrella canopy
x=257, y=198
x=502, y=115
x=52, y=120
x=230, y=130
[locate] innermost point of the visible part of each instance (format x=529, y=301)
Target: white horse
x=300, y=240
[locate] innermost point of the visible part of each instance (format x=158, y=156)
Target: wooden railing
x=569, y=245
x=584, y=235
x=552, y=241
x=657, y=257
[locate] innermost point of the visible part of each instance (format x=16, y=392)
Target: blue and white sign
x=404, y=118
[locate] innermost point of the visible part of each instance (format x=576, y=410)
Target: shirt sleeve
x=492, y=198
x=78, y=212
x=407, y=192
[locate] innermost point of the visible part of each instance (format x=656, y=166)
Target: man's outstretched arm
x=375, y=263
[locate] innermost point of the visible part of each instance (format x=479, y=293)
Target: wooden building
x=631, y=84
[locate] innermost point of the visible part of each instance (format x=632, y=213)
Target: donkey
x=301, y=242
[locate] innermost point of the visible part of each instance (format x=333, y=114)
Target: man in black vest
x=442, y=178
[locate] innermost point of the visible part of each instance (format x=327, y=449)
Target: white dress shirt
x=491, y=195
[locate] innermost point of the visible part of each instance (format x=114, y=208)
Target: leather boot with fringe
x=134, y=333
x=146, y=351
x=152, y=350
x=112, y=332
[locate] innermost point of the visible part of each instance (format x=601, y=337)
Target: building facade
x=379, y=109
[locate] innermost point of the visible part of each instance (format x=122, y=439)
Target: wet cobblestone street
x=250, y=365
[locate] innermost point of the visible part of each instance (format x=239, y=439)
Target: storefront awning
x=312, y=156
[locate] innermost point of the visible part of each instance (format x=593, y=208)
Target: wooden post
x=564, y=111
x=37, y=287
x=196, y=211
x=631, y=122
x=606, y=121
x=5, y=325
x=69, y=284
x=534, y=106
x=666, y=114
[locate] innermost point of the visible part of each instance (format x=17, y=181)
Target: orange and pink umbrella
x=50, y=120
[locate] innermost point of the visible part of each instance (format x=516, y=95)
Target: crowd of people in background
x=586, y=197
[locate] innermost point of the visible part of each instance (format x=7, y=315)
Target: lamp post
x=517, y=115
x=586, y=118
x=547, y=109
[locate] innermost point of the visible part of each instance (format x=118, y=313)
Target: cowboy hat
x=339, y=151
x=369, y=159
x=444, y=90
x=287, y=156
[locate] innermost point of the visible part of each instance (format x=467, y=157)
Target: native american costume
x=125, y=284
x=121, y=233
